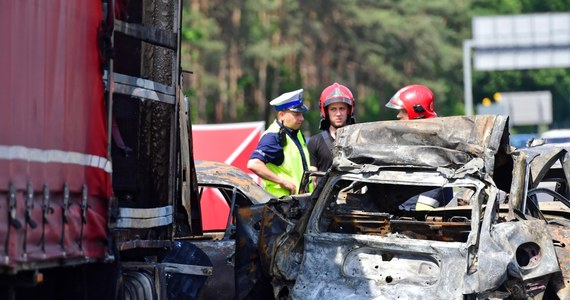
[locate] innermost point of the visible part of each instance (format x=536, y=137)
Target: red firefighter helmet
x=332, y=94
x=416, y=99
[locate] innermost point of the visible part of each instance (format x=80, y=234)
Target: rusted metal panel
x=521, y=249
x=560, y=234
x=338, y=267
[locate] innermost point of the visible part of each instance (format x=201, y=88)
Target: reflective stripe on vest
x=426, y=203
x=292, y=167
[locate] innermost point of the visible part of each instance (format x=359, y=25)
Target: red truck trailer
x=95, y=169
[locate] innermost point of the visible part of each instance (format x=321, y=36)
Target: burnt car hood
x=217, y=173
x=449, y=142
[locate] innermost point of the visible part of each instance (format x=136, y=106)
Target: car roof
x=437, y=142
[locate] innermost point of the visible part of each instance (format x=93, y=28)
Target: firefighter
x=281, y=157
x=337, y=110
x=413, y=102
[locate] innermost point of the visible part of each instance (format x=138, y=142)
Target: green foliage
x=496, y=7
x=244, y=53
x=533, y=6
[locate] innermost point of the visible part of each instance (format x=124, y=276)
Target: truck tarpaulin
x=54, y=172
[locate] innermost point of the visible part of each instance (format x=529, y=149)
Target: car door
x=230, y=188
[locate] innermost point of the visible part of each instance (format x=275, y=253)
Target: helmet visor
x=395, y=102
x=337, y=100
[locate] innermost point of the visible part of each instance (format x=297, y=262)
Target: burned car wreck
x=354, y=237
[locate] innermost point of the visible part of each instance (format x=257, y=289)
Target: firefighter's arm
x=260, y=169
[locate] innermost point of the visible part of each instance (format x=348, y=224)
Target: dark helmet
x=416, y=99
x=332, y=94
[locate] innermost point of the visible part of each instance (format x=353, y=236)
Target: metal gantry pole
x=467, y=86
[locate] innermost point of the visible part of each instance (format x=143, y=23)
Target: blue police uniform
x=283, y=150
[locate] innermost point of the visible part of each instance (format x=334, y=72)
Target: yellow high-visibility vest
x=292, y=167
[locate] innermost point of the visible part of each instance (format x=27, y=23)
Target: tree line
x=242, y=54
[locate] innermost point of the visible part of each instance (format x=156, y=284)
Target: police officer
x=337, y=109
x=281, y=157
x=413, y=102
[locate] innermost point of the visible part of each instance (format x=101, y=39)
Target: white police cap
x=292, y=101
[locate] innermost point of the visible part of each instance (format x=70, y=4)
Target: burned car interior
x=377, y=209
x=382, y=202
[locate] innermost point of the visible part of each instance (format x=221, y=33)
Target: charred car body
x=237, y=189
x=353, y=239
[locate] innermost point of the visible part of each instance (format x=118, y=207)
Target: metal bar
x=232, y=205
x=143, y=244
x=175, y=166
x=185, y=156
x=144, y=217
x=143, y=223
x=155, y=36
x=467, y=86
x=50, y=263
x=189, y=269
x=110, y=90
x=555, y=195
x=142, y=83
x=172, y=268
x=139, y=87
x=139, y=92
x=142, y=213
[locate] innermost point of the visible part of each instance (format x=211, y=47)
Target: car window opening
x=357, y=207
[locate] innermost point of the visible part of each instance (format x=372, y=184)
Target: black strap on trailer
x=12, y=220
x=28, y=216
x=45, y=212
x=64, y=215
x=83, y=215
